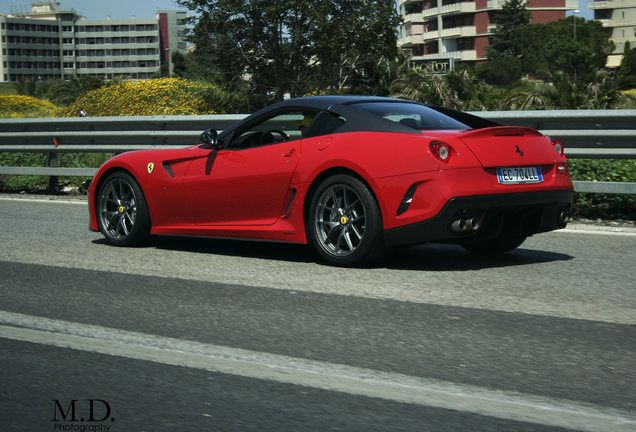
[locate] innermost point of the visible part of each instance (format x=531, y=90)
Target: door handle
x=289, y=153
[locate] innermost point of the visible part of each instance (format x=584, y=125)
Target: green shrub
x=604, y=206
x=66, y=160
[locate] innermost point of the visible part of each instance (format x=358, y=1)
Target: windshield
x=422, y=117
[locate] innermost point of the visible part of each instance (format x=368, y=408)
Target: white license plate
x=519, y=175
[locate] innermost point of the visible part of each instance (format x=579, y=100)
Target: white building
x=619, y=20
x=52, y=43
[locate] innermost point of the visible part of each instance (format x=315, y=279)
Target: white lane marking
x=316, y=374
x=42, y=200
x=617, y=232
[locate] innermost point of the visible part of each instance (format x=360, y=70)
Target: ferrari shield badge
x=151, y=167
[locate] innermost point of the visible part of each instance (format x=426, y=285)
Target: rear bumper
x=511, y=215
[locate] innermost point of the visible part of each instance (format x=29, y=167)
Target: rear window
x=423, y=117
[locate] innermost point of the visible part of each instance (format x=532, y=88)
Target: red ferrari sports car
x=349, y=174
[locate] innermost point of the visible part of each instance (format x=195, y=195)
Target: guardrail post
x=54, y=183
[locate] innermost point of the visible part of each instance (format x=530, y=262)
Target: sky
x=584, y=12
x=101, y=9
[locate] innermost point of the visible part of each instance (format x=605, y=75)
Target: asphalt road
x=201, y=334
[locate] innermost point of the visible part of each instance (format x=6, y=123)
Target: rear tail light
x=558, y=146
x=441, y=150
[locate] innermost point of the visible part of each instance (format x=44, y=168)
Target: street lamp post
x=575, y=13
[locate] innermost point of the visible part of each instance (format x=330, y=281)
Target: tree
x=544, y=49
x=459, y=89
x=601, y=90
x=504, y=70
x=552, y=47
x=505, y=45
x=179, y=64
x=513, y=18
x=73, y=88
x=30, y=87
x=628, y=62
x=356, y=44
x=267, y=48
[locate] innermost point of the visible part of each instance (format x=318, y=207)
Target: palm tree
x=601, y=90
x=72, y=89
x=605, y=91
x=459, y=90
x=30, y=87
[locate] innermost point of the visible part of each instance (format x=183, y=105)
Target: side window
x=323, y=124
x=286, y=126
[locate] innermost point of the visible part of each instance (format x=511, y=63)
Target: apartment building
x=445, y=31
x=49, y=42
x=619, y=20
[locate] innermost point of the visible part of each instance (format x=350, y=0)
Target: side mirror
x=209, y=138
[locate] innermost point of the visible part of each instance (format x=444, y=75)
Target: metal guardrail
x=587, y=134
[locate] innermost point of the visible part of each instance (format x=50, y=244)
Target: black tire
x=122, y=212
x=345, y=223
x=495, y=246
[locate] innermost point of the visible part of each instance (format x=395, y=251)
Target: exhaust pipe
x=565, y=216
x=459, y=226
x=465, y=225
x=472, y=224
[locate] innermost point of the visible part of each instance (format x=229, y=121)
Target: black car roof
x=357, y=120
x=325, y=102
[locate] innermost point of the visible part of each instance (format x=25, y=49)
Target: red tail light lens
x=441, y=150
x=558, y=146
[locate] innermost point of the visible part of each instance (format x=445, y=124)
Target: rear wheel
x=345, y=222
x=495, y=246
x=122, y=212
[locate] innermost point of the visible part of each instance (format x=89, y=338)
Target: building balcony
x=569, y=5
x=607, y=22
x=467, y=31
x=411, y=40
x=403, y=2
x=430, y=12
x=495, y=4
x=451, y=9
x=601, y=5
x=458, y=8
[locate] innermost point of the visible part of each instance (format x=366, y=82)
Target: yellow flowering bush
x=19, y=106
x=164, y=96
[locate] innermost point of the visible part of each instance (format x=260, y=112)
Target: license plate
x=519, y=175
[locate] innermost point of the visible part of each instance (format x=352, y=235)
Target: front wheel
x=495, y=246
x=345, y=222
x=122, y=211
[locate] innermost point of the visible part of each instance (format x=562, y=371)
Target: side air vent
x=168, y=169
x=406, y=201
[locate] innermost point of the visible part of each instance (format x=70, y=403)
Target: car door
x=246, y=182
